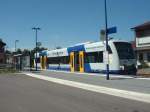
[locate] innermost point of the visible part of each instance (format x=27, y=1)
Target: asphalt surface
x=129, y=84
x=21, y=93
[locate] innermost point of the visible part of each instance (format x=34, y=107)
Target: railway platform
x=121, y=82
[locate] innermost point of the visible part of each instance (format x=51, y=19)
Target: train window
x=109, y=50
x=141, y=56
x=100, y=56
x=94, y=57
x=58, y=60
x=72, y=61
x=52, y=60
x=81, y=61
x=124, y=50
x=64, y=59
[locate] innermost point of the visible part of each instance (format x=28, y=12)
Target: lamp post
x=16, y=45
x=36, y=29
x=106, y=35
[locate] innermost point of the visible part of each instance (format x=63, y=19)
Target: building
x=21, y=61
x=2, y=52
x=142, y=40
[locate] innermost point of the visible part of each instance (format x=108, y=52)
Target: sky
x=67, y=22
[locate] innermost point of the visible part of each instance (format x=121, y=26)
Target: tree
x=58, y=47
x=26, y=52
x=8, y=52
x=39, y=49
x=33, y=51
x=19, y=51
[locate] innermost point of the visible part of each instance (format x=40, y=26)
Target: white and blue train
x=90, y=57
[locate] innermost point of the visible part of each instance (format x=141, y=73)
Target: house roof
x=142, y=26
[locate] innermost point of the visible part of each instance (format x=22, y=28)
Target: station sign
x=112, y=30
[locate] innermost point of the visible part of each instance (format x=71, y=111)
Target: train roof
x=98, y=42
x=78, y=47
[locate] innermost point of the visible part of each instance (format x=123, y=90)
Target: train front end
x=126, y=55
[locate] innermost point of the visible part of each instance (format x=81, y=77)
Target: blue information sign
x=112, y=30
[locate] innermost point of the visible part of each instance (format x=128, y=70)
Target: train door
x=72, y=61
x=81, y=61
x=43, y=62
x=76, y=61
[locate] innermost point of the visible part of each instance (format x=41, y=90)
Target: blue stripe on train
x=87, y=69
x=43, y=53
x=58, y=68
x=76, y=48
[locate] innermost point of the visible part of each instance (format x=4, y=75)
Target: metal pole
x=30, y=60
x=36, y=46
x=107, y=54
x=16, y=45
x=36, y=29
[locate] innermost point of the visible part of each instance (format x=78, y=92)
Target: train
x=90, y=57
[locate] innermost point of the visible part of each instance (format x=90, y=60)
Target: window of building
x=1, y=50
x=148, y=56
x=1, y=60
x=143, y=33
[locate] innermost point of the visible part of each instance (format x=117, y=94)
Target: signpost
x=36, y=29
x=108, y=31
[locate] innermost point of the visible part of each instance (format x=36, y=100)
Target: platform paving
x=118, y=82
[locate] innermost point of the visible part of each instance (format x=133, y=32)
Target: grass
x=8, y=70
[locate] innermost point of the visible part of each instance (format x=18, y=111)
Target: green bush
x=7, y=70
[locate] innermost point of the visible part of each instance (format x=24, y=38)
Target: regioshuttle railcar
x=90, y=57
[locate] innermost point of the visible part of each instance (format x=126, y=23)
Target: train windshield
x=125, y=50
